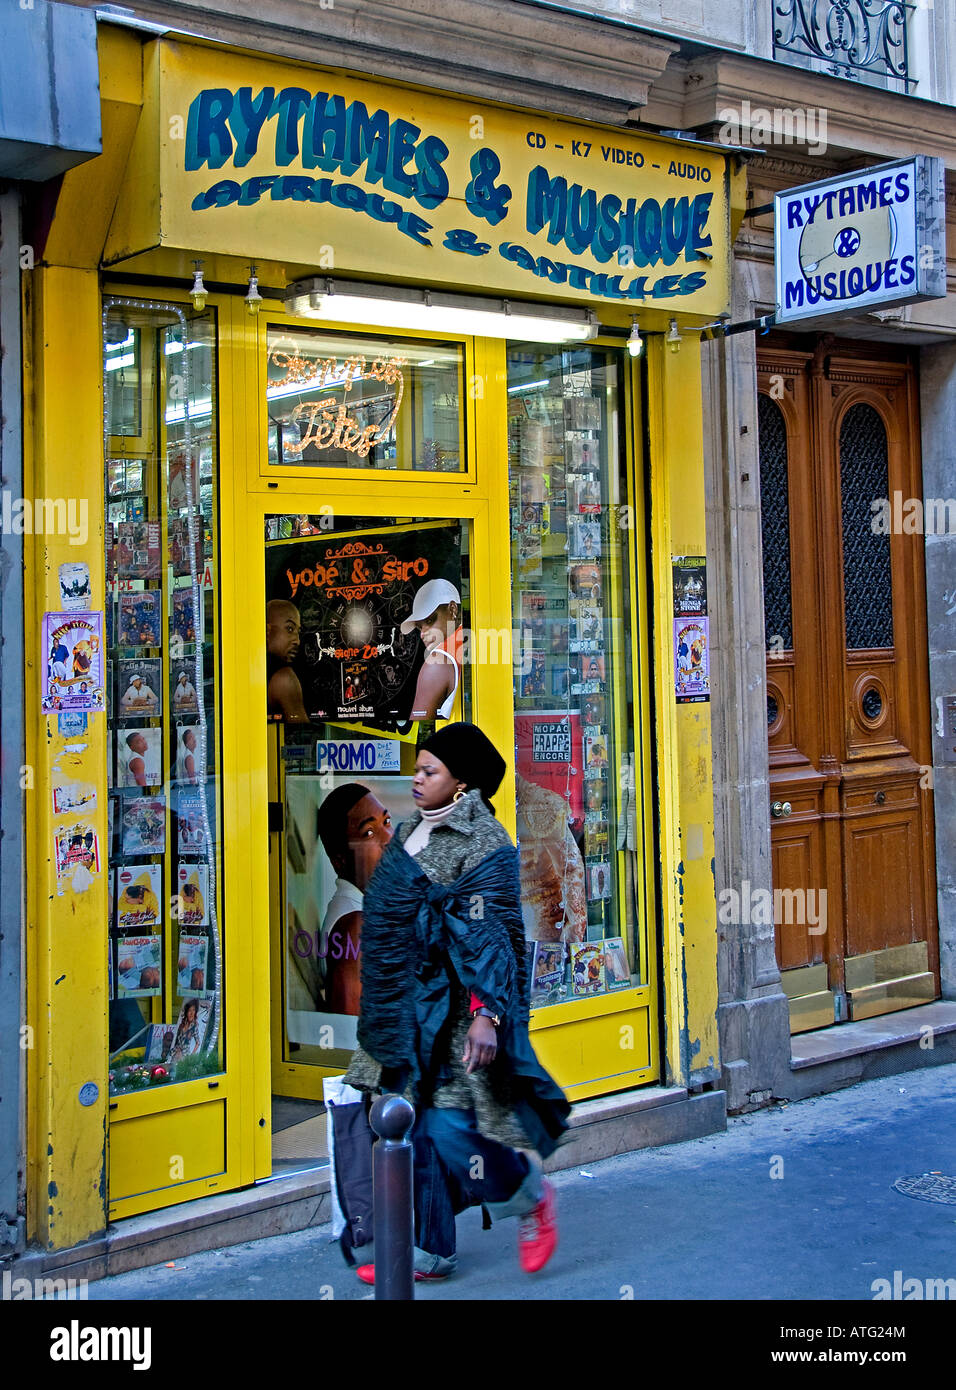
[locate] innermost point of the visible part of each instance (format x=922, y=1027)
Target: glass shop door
x=368, y=565
x=360, y=659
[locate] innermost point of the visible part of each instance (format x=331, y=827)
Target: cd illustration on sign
x=833, y=248
x=365, y=629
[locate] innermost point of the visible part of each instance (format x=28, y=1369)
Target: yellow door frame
x=621, y=1028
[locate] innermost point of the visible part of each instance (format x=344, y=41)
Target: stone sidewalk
x=792, y=1203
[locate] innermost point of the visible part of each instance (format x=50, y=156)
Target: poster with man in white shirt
x=334, y=840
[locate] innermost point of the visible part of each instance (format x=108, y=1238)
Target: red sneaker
x=538, y=1233
x=367, y=1275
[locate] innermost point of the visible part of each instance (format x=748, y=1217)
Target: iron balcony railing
x=857, y=39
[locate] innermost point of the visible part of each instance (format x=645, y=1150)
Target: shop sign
x=871, y=239
x=325, y=172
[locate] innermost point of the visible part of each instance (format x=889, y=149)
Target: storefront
x=416, y=476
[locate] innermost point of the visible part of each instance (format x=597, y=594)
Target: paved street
x=699, y=1220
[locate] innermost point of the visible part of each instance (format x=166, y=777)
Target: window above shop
x=350, y=401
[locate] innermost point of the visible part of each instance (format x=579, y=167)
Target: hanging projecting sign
x=861, y=241
x=327, y=172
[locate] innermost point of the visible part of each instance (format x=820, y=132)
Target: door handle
x=780, y=808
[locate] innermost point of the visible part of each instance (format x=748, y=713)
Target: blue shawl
x=417, y=935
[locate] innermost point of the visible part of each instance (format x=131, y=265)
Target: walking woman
x=444, y=1008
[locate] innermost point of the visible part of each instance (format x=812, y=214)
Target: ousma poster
x=72, y=664
x=366, y=628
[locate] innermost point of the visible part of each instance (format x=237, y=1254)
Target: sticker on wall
x=72, y=663
x=74, y=796
x=75, y=591
x=692, y=661
x=77, y=853
x=691, y=630
x=70, y=723
x=690, y=586
x=89, y=1093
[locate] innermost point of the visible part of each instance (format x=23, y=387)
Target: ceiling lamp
x=253, y=297
x=429, y=311
x=198, y=292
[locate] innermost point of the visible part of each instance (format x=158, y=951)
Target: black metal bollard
x=393, y=1225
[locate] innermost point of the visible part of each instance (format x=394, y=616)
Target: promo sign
x=358, y=755
x=333, y=172
x=861, y=241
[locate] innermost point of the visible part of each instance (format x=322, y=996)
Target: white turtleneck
x=418, y=839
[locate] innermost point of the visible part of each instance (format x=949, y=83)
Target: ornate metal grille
x=775, y=525
x=851, y=37
x=872, y=703
x=867, y=576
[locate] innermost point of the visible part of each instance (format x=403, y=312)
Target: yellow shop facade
x=345, y=374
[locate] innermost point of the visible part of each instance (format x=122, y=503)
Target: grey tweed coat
x=460, y=842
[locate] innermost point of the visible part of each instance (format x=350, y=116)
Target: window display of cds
x=569, y=572
x=165, y=953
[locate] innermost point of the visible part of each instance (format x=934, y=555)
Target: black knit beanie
x=470, y=756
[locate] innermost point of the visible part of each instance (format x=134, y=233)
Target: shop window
x=572, y=587
x=162, y=622
x=336, y=401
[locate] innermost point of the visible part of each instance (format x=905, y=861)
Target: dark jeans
x=456, y=1167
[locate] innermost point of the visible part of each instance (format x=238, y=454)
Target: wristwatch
x=486, y=1013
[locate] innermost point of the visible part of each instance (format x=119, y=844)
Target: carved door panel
x=847, y=698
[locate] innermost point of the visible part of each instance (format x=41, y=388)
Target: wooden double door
x=848, y=709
